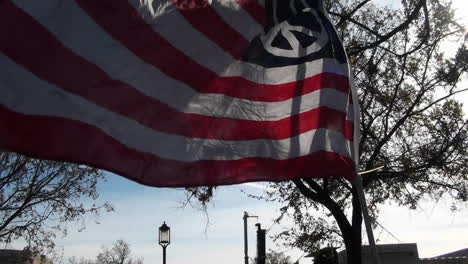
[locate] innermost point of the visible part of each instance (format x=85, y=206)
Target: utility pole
x=246, y=250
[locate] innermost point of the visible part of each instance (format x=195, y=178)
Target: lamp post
x=164, y=238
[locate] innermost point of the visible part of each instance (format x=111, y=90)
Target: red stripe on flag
x=348, y=130
x=122, y=21
x=204, y=18
x=255, y=10
x=63, y=139
x=76, y=75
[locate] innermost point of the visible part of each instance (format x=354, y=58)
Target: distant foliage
x=119, y=253
x=75, y=260
x=274, y=257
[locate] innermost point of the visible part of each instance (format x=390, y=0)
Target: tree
x=120, y=253
x=38, y=198
x=410, y=122
x=75, y=260
x=274, y=257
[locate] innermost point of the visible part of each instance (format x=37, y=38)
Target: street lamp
x=164, y=238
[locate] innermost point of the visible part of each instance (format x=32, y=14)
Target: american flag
x=178, y=93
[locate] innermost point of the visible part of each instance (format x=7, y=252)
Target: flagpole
x=358, y=180
x=367, y=221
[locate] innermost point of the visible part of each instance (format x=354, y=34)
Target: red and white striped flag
x=178, y=92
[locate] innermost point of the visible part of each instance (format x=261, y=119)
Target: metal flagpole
x=365, y=213
x=367, y=222
x=358, y=180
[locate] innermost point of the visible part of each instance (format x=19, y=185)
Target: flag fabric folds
x=178, y=93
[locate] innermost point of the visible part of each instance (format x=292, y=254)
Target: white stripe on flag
x=186, y=39
x=238, y=19
x=24, y=93
x=195, y=45
x=105, y=52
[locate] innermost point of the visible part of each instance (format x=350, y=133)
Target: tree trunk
x=351, y=232
x=353, y=250
x=354, y=237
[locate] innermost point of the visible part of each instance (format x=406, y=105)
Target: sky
x=218, y=236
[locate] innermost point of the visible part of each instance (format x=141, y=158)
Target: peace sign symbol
x=302, y=41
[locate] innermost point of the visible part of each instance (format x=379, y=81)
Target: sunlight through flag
x=178, y=93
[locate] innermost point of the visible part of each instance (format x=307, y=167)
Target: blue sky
x=141, y=210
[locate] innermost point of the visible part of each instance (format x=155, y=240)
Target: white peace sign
x=297, y=50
